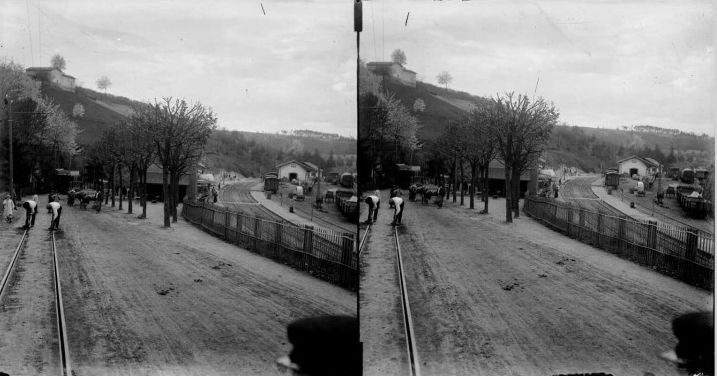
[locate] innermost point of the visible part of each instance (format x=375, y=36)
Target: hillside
x=100, y=111
x=584, y=147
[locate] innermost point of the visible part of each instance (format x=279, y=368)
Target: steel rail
x=363, y=239
x=11, y=267
x=407, y=318
x=64, y=347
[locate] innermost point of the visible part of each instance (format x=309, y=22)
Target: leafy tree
x=104, y=83
x=444, y=78
x=398, y=56
x=58, y=62
x=419, y=105
x=78, y=110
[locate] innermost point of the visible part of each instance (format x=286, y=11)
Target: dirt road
x=144, y=300
x=490, y=298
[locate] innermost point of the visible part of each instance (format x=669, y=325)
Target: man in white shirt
x=56, y=209
x=373, y=202
x=30, y=212
x=397, y=205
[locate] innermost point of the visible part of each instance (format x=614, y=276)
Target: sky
x=288, y=66
x=602, y=63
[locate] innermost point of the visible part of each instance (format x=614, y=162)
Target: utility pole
x=358, y=27
x=8, y=109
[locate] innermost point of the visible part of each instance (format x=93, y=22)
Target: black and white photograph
x=536, y=184
x=179, y=188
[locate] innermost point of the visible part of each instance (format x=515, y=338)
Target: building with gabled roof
x=295, y=170
x=52, y=76
x=635, y=165
x=393, y=71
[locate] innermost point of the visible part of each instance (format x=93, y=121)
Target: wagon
x=347, y=203
x=692, y=202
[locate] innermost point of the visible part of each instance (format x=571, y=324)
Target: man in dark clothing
x=99, y=201
x=30, y=212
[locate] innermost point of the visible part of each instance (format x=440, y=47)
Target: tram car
x=687, y=176
x=332, y=177
x=692, y=202
x=347, y=203
x=612, y=178
x=701, y=175
x=347, y=180
x=271, y=182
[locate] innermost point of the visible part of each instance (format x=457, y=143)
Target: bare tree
x=58, y=62
x=444, y=78
x=104, y=83
x=521, y=128
x=480, y=151
x=448, y=144
x=398, y=56
x=179, y=132
x=145, y=152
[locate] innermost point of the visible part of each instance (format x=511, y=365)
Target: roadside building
x=393, y=71
x=155, y=184
x=52, y=76
x=496, y=179
x=634, y=165
x=295, y=170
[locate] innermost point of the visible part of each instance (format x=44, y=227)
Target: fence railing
x=684, y=253
x=326, y=254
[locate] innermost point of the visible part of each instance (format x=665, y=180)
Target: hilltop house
x=634, y=165
x=393, y=71
x=52, y=76
x=302, y=171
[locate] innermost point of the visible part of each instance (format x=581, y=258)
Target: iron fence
x=326, y=254
x=682, y=252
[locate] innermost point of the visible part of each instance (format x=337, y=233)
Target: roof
x=48, y=69
x=302, y=164
x=381, y=63
x=646, y=161
x=315, y=167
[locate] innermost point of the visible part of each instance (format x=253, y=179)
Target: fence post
x=257, y=231
x=600, y=227
x=691, y=243
x=622, y=232
x=570, y=220
x=652, y=235
x=308, y=238
x=347, y=248
x=240, y=227
x=226, y=225
x=278, y=230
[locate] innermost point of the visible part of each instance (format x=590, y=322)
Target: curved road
x=578, y=191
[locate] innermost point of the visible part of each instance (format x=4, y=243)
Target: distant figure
x=397, y=204
x=36, y=198
x=8, y=206
x=56, y=210
x=439, y=197
x=30, y=207
x=556, y=191
x=215, y=194
x=395, y=192
x=373, y=202
x=98, y=203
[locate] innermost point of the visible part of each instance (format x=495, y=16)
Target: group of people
x=395, y=202
x=53, y=206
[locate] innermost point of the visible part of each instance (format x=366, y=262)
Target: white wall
x=633, y=163
x=285, y=170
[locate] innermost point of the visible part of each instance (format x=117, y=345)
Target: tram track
x=410, y=335
x=15, y=267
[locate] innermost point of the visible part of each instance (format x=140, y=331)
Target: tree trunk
x=143, y=198
x=167, y=197
x=130, y=196
x=472, y=190
x=174, y=188
x=486, y=192
x=462, y=180
x=453, y=174
x=508, y=201
x=516, y=193
x=113, y=184
x=121, y=185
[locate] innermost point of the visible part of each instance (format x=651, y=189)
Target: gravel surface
x=145, y=300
